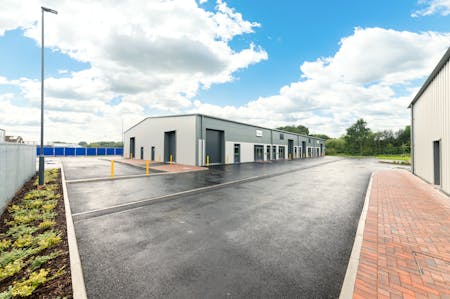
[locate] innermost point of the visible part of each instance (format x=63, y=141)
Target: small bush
x=38, y=194
x=14, y=254
x=11, y=269
x=46, y=224
x=19, y=230
x=4, y=244
x=24, y=241
x=26, y=287
x=40, y=260
x=48, y=239
x=49, y=207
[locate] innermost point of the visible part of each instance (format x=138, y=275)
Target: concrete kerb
x=350, y=276
x=145, y=202
x=76, y=271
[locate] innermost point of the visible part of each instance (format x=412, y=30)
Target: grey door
x=437, y=162
x=274, y=152
x=268, y=152
x=170, y=146
x=290, y=148
x=132, y=147
x=215, y=146
x=259, y=153
x=237, y=153
x=321, y=149
x=153, y=153
x=281, y=152
x=303, y=149
x=142, y=153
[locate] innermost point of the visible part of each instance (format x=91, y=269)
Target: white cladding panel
x=150, y=132
x=431, y=122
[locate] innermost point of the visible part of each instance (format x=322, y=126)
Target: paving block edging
x=76, y=271
x=350, y=276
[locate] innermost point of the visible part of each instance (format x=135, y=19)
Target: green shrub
x=11, y=269
x=46, y=224
x=26, y=287
x=48, y=239
x=24, y=241
x=4, y=244
x=38, y=194
x=19, y=230
x=40, y=260
x=13, y=255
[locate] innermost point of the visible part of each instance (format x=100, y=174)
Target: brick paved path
x=406, y=247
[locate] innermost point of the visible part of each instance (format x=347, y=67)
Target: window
x=281, y=136
x=309, y=140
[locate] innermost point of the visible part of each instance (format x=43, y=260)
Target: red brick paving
x=406, y=245
x=174, y=167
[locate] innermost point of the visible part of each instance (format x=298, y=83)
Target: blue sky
x=304, y=30
x=318, y=63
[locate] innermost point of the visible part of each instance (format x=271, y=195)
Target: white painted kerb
x=352, y=268
x=78, y=287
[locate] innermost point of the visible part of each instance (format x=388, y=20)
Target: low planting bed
x=34, y=255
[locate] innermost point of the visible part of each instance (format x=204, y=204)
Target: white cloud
x=152, y=54
x=373, y=75
x=441, y=7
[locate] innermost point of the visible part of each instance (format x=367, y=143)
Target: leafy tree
x=82, y=143
x=358, y=134
x=300, y=129
x=335, y=146
x=322, y=136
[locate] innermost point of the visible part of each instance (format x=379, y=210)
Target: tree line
x=361, y=140
x=101, y=144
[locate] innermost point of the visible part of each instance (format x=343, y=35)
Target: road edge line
x=76, y=271
x=352, y=269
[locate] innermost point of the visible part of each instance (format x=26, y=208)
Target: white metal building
x=430, y=127
x=196, y=139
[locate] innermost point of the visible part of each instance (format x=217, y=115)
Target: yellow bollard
x=131, y=156
x=170, y=159
x=112, y=168
x=147, y=167
x=227, y=160
x=159, y=158
x=207, y=160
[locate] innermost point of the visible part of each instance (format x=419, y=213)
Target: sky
x=109, y=64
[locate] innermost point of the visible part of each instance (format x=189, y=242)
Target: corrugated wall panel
x=432, y=122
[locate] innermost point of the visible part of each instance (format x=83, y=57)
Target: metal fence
x=80, y=151
x=17, y=165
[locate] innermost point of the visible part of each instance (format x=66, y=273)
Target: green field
x=406, y=158
x=403, y=159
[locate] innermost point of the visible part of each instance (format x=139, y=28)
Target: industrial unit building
x=430, y=129
x=197, y=139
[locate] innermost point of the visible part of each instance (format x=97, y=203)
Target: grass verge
x=34, y=255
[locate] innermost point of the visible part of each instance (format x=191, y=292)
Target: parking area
x=285, y=230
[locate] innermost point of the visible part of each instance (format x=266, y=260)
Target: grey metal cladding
x=239, y=132
x=235, y=131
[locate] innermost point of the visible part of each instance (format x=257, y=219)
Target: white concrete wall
x=17, y=165
x=150, y=132
x=432, y=122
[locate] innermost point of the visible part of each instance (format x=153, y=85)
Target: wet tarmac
x=283, y=236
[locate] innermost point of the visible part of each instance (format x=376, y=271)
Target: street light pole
x=41, y=152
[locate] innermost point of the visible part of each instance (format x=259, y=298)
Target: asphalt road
x=287, y=235
x=95, y=195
